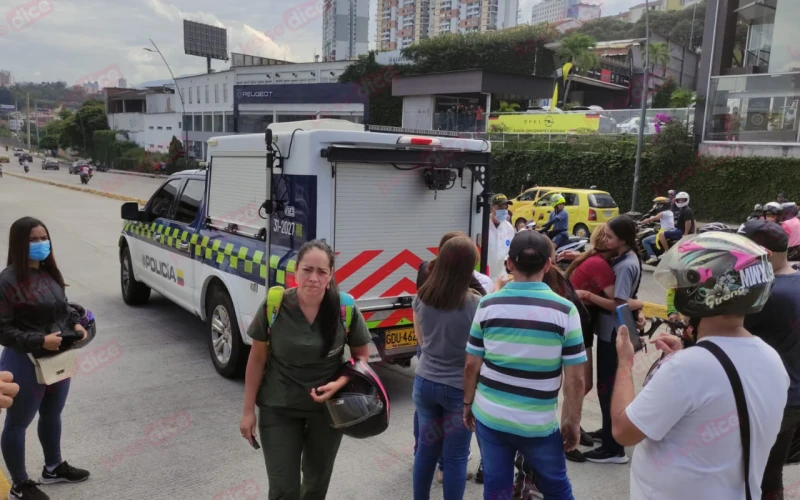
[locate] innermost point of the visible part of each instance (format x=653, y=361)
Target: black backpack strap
x=741, y=405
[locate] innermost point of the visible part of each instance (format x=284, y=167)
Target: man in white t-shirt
x=685, y=419
x=501, y=232
x=667, y=218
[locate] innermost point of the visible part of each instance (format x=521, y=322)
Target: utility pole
x=643, y=116
x=28, y=116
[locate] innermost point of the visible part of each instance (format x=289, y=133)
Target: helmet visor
x=346, y=409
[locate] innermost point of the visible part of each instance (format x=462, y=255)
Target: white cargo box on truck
x=381, y=200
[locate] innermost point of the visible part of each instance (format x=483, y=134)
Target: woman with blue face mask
x=33, y=314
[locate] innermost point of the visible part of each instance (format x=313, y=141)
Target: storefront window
x=254, y=124
x=754, y=108
x=218, y=122
x=295, y=118
x=459, y=114
x=187, y=119
x=228, y=122
x=208, y=125
x=198, y=123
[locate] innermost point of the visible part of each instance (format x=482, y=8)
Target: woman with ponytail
x=620, y=241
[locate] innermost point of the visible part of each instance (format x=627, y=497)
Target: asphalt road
x=157, y=374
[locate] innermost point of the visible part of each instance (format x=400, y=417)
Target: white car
x=631, y=126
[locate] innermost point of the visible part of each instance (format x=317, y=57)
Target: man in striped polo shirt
x=521, y=338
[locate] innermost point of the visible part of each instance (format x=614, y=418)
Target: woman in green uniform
x=303, y=354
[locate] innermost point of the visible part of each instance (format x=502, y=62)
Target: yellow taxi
x=587, y=208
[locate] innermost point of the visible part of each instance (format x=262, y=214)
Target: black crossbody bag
x=741, y=405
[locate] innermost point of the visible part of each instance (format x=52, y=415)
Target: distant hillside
x=44, y=95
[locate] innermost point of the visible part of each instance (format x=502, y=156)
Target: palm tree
x=682, y=98
x=577, y=49
x=659, y=55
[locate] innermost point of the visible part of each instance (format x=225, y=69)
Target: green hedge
x=721, y=188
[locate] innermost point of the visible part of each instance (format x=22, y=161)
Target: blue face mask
x=501, y=214
x=39, y=251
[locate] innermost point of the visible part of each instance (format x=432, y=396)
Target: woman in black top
x=33, y=313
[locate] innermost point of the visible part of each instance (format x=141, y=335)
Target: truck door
x=163, y=253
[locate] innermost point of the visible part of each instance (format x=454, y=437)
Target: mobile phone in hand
x=255, y=443
x=626, y=318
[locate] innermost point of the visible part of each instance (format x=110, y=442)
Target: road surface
x=149, y=416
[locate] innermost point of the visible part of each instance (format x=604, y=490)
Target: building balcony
x=754, y=109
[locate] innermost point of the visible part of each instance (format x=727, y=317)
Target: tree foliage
x=517, y=50
x=577, y=49
x=78, y=128
x=682, y=98
x=372, y=76
x=675, y=25
x=663, y=94
x=659, y=54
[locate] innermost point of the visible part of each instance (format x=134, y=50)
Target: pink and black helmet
x=361, y=408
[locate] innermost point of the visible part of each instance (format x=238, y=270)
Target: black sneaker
x=586, y=439
x=601, y=456
x=27, y=490
x=597, y=436
x=479, y=473
x=575, y=456
x=64, y=473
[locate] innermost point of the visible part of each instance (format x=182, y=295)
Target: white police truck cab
x=213, y=240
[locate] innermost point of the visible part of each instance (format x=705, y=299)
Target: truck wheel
x=228, y=352
x=134, y=293
x=581, y=230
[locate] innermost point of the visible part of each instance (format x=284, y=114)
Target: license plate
x=607, y=213
x=400, y=337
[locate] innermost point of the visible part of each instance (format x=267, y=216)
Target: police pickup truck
x=212, y=240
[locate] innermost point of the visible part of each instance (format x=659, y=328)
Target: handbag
x=53, y=369
x=741, y=405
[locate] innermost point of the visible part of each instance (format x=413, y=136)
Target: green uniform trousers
x=293, y=441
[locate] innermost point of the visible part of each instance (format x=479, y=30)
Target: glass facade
x=187, y=119
x=459, y=114
x=282, y=118
x=254, y=123
x=228, y=122
x=218, y=122
x=198, y=123
x=207, y=122
x=756, y=96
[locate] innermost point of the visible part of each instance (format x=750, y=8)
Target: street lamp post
x=643, y=116
x=184, y=134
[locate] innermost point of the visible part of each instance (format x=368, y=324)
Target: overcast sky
x=75, y=40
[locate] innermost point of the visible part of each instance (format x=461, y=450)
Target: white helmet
x=683, y=195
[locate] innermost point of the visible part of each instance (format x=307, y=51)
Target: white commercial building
x=151, y=117
x=637, y=11
x=209, y=98
x=345, y=29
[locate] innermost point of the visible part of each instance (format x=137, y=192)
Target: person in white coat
x=501, y=232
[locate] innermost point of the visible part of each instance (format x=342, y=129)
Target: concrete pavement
x=151, y=418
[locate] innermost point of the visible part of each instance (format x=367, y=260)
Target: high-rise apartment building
x=403, y=22
x=345, y=29
x=556, y=10
x=6, y=80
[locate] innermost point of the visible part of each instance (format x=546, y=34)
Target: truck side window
x=161, y=204
x=190, y=200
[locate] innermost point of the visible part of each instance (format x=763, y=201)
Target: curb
x=85, y=190
x=140, y=174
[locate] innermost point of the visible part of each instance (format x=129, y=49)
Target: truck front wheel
x=228, y=352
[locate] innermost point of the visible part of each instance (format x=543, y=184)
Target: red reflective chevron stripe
x=434, y=250
x=355, y=264
x=404, y=257
x=404, y=285
x=396, y=316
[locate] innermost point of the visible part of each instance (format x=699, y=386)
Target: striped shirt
x=524, y=333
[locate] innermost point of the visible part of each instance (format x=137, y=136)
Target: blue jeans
x=440, y=409
x=545, y=455
x=649, y=245
x=673, y=234
x=559, y=238
x=33, y=397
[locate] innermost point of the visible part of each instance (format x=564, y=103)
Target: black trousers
x=606, y=372
x=772, y=483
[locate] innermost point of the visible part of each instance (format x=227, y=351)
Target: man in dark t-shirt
x=778, y=324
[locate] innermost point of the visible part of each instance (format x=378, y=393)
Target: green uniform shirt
x=295, y=366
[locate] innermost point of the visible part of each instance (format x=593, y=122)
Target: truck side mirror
x=130, y=211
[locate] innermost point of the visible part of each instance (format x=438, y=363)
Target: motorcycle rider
x=684, y=225
x=559, y=221
x=791, y=224
x=773, y=211
x=25, y=165
x=501, y=232
x=667, y=218
x=781, y=198
x=85, y=173
x=672, y=206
